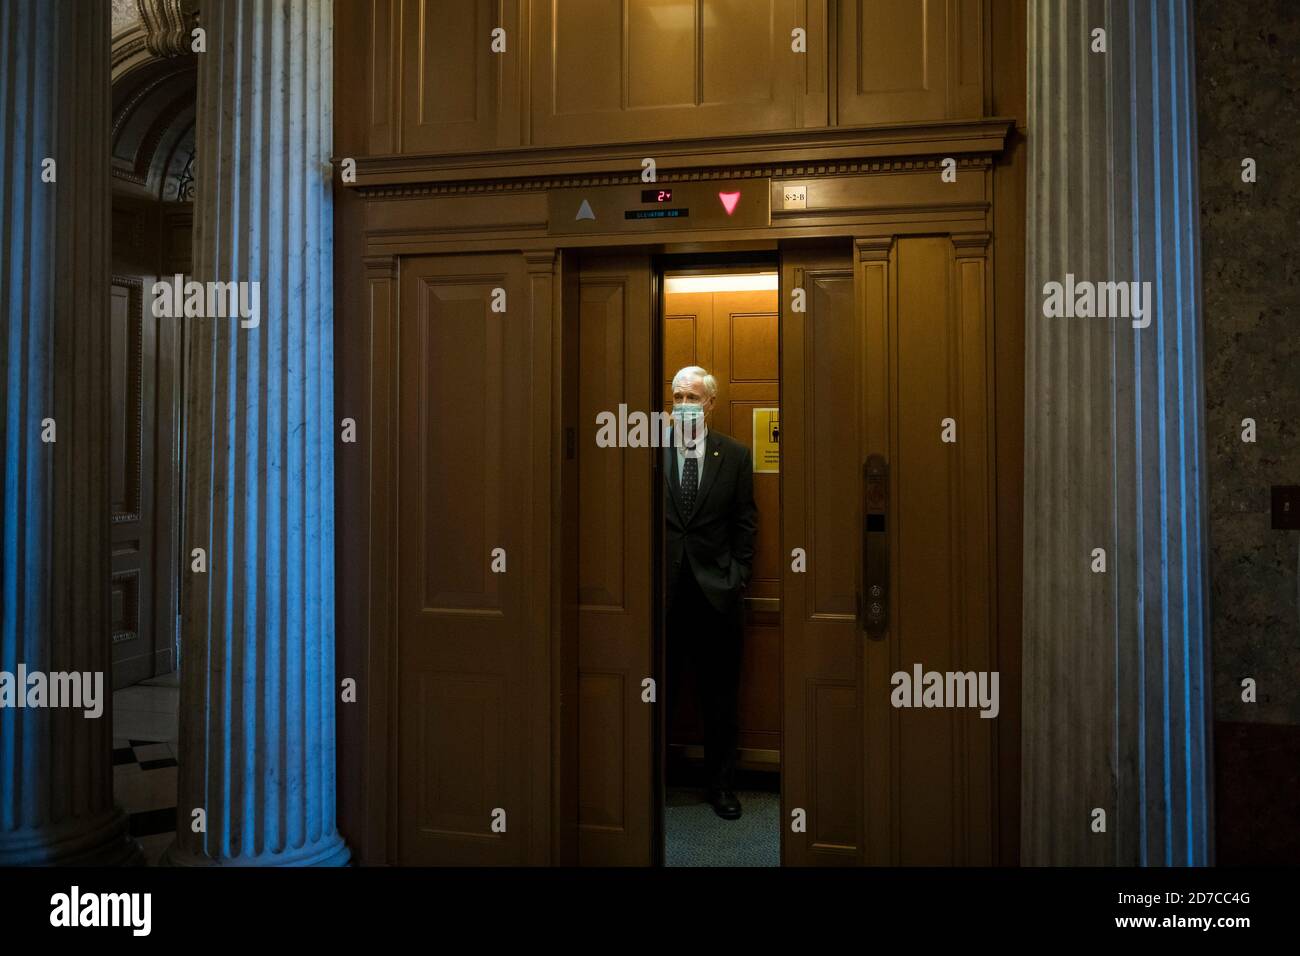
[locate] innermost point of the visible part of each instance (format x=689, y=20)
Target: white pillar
x=56, y=773
x=1116, y=664
x=258, y=688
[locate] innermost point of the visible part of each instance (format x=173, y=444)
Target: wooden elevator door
x=473, y=704
x=893, y=342
x=822, y=367
x=615, y=505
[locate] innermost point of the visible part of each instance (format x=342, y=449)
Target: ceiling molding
x=900, y=164
x=167, y=25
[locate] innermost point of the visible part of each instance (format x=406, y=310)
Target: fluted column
x=56, y=773
x=258, y=689
x=1116, y=662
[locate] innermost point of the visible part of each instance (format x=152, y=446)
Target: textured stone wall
x=1248, y=91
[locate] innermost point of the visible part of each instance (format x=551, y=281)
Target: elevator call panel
x=637, y=207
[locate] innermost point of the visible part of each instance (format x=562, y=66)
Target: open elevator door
x=887, y=487
x=824, y=364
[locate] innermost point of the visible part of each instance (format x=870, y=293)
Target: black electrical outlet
x=1286, y=507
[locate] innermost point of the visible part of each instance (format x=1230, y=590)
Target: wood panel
x=910, y=60
x=928, y=344
x=360, y=358
x=821, y=433
x=608, y=71
x=469, y=643
x=734, y=336
x=615, y=575
x=452, y=92
x=1007, y=32
x=373, y=387
x=584, y=72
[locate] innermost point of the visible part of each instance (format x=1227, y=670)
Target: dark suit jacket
x=718, y=536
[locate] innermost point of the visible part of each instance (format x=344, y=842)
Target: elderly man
x=711, y=519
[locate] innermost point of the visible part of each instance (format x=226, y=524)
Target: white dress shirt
x=692, y=449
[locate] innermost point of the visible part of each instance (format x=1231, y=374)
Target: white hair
x=710, y=383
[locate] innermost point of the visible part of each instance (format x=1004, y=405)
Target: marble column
x=1116, y=662
x=257, y=649
x=56, y=772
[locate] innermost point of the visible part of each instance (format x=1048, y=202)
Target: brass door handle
x=875, y=547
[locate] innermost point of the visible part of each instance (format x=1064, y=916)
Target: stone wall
x=1248, y=106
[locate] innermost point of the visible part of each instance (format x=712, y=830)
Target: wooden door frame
x=446, y=205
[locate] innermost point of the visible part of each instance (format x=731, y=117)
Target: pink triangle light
x=729, y=201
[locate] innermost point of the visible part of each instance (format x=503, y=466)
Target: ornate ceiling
x=153, y=97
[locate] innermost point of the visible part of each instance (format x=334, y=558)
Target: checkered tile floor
x=144, y=761
x=149, y=754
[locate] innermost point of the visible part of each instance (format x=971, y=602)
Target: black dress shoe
x=725, y=804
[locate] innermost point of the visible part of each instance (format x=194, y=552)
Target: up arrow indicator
x=584, y=211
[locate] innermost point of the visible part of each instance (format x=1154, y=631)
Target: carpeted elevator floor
x=696, y=836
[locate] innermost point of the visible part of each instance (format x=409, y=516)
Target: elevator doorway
x=801, y=701
x=723, y=689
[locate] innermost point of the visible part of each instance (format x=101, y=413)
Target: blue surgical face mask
x=691, y=419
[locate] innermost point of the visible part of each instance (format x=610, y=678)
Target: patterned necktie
x=690, y=483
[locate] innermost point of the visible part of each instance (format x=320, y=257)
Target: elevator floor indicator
x=656, y=214
x=685, y=207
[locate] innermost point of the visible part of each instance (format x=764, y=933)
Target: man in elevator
x=710, y=519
